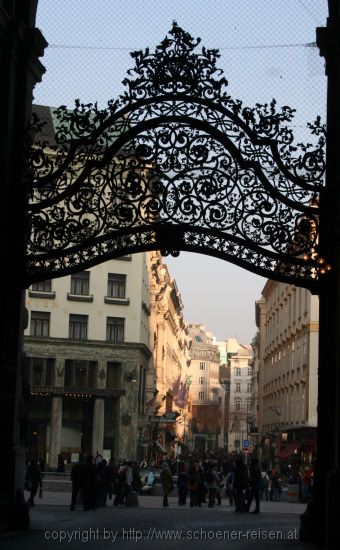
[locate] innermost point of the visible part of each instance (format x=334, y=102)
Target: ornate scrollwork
x=176, y=164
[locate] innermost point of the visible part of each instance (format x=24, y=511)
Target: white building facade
x=206, y=392
x=239, y=360
x=88, y=358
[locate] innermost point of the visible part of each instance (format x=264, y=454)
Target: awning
x=289, y=449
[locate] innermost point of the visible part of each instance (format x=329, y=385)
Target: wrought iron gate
x=175, y=164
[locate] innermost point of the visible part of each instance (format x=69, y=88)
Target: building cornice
x=86, y=344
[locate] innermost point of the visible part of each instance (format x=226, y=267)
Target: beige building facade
x=171, y=419
x=287, y=317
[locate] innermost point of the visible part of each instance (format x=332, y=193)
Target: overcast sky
x=267, y=50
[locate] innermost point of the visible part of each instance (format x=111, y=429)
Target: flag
x=181, y=398
x=176, y=385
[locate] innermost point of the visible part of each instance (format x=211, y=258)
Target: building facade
x=239, y=361
x=287, y=318
x=206, y=392
x=88, y=361
x=171, y=418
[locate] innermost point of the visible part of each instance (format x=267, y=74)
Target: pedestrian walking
x=137, y=483
x=240, y=486
x=101, y=483
x=182, y=485
x=167, y=483
x=275, y=488
x=211, y=481
x=77, y=479
x=33, y=480
x=264, y=492
x=193, y=486
x=255, y=482
x=229, y=487
x=89, y=485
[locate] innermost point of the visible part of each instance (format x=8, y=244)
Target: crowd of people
x=196, y=481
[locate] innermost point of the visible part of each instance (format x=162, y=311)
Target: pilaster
x=55, y=430
x=98, y=427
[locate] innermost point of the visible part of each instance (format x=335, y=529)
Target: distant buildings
x=205, y=389
x=239, y=361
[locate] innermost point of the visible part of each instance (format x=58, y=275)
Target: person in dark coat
x=255, y=482
x=240, y=485
x=193, y=486
x=77, y=478
x=167, y=483
x=89, y=485
x=33, y=476
x=61, y=465
x=101, y=483
x=182, y=485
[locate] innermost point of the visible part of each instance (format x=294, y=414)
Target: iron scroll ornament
x=175, y=164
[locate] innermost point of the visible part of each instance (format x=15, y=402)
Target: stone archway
x=176, y=164
x=23, y=72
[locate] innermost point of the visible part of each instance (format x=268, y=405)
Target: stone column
x=98, y=427
x=55, y=430
x=320, y=522
x=20, y=47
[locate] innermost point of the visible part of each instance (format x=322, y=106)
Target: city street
x=149, y=525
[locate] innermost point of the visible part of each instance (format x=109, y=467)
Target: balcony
x=117, y=301
x=79, y=297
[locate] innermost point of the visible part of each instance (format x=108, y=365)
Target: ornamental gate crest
x=175, y=164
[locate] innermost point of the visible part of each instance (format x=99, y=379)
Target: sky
x=267, y=50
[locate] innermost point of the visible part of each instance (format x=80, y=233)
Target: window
x=40, y=371
x=80, y=374
x=115, y=329
x=250, y=371
x=202, y=380
x=237, y=405
x=40, y=323
x=201, y=395
x=248, y=406
x=249, y=387
x=202, y=366
x=238, y=371
x=80, y=283
x=198, y=339
x=113, y=375
x=238, y=386
x=43, y=286
x=78, y=327
x=116, y=285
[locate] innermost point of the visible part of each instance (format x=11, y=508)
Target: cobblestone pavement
x=150, y=526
